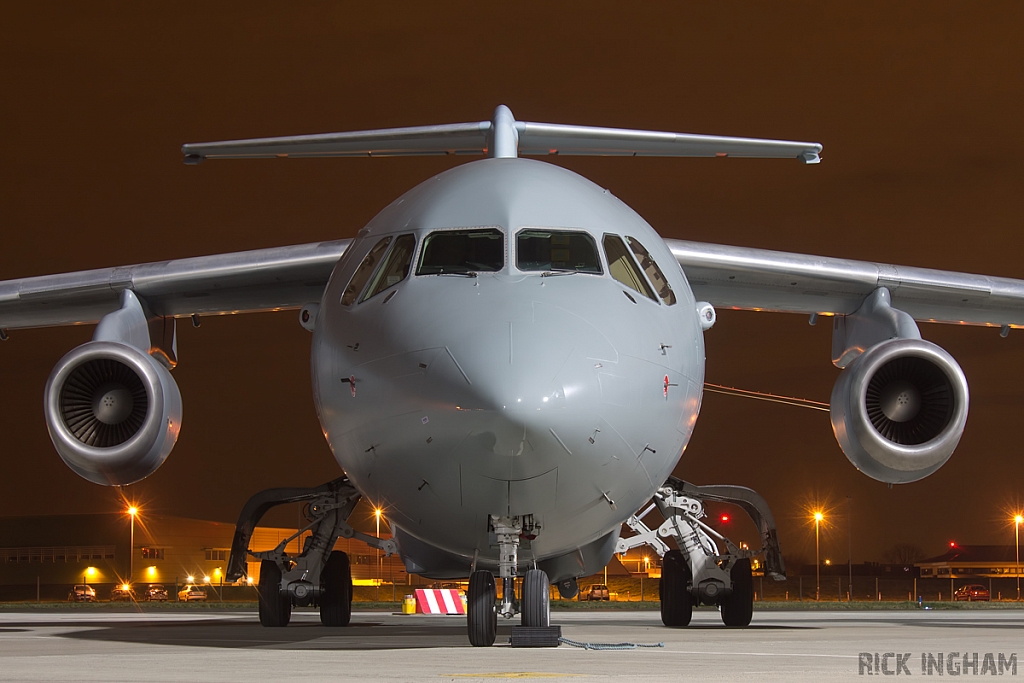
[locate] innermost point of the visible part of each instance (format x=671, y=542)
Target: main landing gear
x=319, y=575
x=699, y=572
x=534, y=607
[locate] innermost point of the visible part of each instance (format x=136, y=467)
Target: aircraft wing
x=259, y=280
x=762, y=280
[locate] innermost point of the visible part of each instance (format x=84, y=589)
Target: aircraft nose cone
x=525, y=388
x=529, y=365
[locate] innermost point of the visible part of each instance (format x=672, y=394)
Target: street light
x=1017, y=521
x=818, y=517
x=132, y=511
x=380, y=570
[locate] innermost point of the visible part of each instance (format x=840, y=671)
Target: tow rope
x=608, y=646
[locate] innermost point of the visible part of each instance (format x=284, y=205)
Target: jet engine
x=899, y=409
x=113, y=412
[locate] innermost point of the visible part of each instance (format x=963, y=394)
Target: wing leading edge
x=726, y=276
x=258, y=280
x=763, y=280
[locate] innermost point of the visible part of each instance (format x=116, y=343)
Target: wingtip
x=193, y=159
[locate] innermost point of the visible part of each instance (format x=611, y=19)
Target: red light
x=952, y=544
x=725, y=518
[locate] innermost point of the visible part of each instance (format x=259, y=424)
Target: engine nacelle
x=113, y=412
x=899, y=409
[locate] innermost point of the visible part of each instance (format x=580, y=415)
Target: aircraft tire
x=536, y=599
x=482, y=615
x=738, y=608
x=336, y=590
x=275, y=608
x=676, y=603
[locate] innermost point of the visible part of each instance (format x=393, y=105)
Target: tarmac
x=181, y=645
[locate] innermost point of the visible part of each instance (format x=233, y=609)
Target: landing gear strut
x=507, y=531
x=317, y=575
x=699, y=572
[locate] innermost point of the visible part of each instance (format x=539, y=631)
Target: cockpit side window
x=654, y=273
x=623, y=268
x=363, y=272
x=557, y=251
x=395, y=267
x=462, y=251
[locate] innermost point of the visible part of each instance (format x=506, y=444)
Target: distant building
x=57, y=551
x=965, y=561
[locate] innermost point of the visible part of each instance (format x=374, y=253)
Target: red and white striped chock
x=438, y=601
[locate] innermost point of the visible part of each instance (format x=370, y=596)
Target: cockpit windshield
x=462, y=251
x=557, y=251
x=654, y=273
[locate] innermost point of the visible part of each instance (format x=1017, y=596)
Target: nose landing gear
x=699, y=572
x=483, y=607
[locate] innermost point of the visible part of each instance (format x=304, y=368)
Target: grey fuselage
x=568, y=397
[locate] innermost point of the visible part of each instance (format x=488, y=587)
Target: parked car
x=598, y=591
x=82, y=593
x=123, y=592
x=155, y=593
x=972, y=593
x=191, y=592
x=448, y=585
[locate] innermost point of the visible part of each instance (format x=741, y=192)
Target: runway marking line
x=510, y=674
x=757, y=654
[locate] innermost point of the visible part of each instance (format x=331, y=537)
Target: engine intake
x=898, y=410
x=113, y=412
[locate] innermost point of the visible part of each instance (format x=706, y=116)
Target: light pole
x=817, y=556
x=376, y=513
x=132, y=511
x=1016, y=527
x=849, y=534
